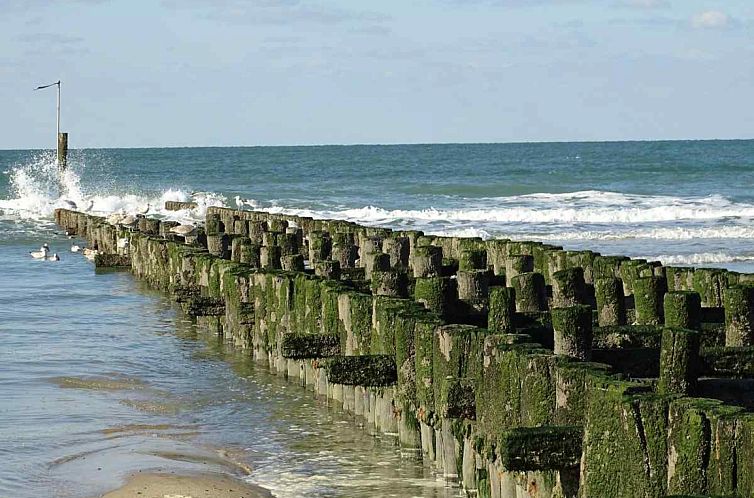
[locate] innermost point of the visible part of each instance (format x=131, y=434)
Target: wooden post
x=62, y=150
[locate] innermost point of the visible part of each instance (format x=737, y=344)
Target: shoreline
x=186, y=485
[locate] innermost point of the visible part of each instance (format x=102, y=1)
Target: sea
x=101, y=376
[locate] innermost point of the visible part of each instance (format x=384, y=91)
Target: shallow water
x=101, y=377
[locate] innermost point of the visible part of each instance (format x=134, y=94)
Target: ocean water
x=101, y=376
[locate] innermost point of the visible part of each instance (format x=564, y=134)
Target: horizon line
x=389, y=144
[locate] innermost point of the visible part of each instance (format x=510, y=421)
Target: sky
x=138, y=73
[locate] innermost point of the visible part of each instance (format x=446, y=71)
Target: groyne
x=516, y=368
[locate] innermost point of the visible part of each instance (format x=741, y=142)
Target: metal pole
x=58, y=128
x=61, y=139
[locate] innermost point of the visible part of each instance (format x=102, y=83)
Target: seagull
x=128, y=220
x=75, y=248
x=115, y=218
x=144, y=210
x=89, y=206
x=241, y=203
x=54, y=257
x=90, y=253
x=42, y=253
x=69, y=204
x=183, y=230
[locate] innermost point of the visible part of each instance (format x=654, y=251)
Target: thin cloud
x=644, y=4
x=275, y=12
x=49, y=39
x=714, y=19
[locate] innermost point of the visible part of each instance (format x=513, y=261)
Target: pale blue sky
x=264, y=72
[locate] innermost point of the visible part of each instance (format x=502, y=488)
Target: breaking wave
x=37, y=189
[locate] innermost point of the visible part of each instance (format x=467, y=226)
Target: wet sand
x=155, y=485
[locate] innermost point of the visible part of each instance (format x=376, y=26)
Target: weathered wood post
x=62, y=150
x=502, y=309
x=568, y=287
x=683, y=309
x=649, y=293
x=573, y=331
x=611, y=306
x=679, y=357
x=739, y=315
x=530, y=292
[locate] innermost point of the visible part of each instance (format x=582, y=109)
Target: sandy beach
x=158, y=485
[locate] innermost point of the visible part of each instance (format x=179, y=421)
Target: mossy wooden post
x=424, y=332
x=472, y=259
x=516, y=264
x=710, y=283
x=435, y=293
x=502, y=309
x=679, y=357
x=374, y=261
x=473, y=288
x=256, y=230
x=630, y=271
x=241, y=227
x=398, y=248
x=649, y=295
x=555, y=260
x=426, y=261
x=218, y=245
x=344, y=251
x=236, y=246
x=278, y=225
x=269, y=257
x=455, y=348
x=288, y=243
x=250, y=255
x=679, y=278
x=497, y=253
x=611, y=304
x=368, y=245
x=319, y=247
x=607, y=266
x=585, y=260
x=739, y=315
x=683, y=310
x=214, y=225
x=292, y=262
x=530, y=292
x=573, y=331
x=393, y=283
x=327, y=269
x=568, y=288
x=270, y=238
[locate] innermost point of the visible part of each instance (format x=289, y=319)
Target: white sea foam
x=571, y=208
x=700, y=258
x=37, y=190
x=604, y=217
x=674, y=233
